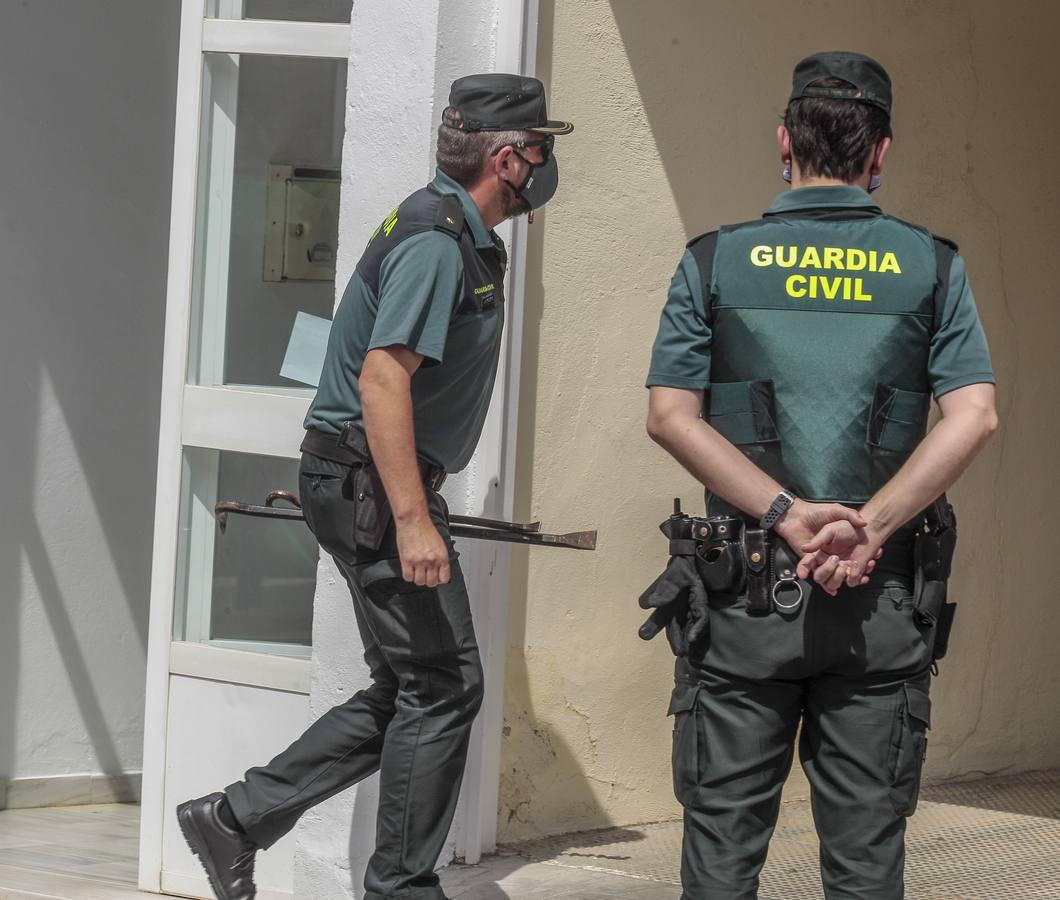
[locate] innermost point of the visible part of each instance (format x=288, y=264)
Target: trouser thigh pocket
x=686, y=741
x=911, y=747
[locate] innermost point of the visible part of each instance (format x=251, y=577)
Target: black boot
x=226, y=855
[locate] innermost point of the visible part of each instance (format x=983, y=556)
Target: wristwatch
x=780, y=505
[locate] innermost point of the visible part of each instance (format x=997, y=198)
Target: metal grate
x=981, y=840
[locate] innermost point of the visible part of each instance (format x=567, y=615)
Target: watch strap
x=780, y=505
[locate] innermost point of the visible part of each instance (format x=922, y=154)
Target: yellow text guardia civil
x=813, y=286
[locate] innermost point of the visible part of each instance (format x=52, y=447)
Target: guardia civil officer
x=408, y=374
x=812, y=341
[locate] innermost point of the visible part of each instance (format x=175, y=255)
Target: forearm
x=387, y=409
x=715, y=462
x=934, y=466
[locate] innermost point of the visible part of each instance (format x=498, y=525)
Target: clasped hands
x=838, y=544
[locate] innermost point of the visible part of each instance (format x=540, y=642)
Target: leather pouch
x=720, y=566
x=756, y=553
x=789, y=590
x=373, y=514
x=942, y=631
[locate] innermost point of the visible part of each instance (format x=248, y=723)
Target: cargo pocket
x=897, y=419
x=910, y=748
x=381, y=577
x=744, y=412
x=329, y=511
x=687, y=743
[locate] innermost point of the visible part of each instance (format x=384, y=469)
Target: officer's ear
x=502, y=163
x=878, y=154
x=784, y=143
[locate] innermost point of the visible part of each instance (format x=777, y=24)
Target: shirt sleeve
x=959, y=354
x=680, y=357
x=420, y=282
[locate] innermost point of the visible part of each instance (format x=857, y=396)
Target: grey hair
x=463, y=154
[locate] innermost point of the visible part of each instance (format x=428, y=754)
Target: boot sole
x=197, y=845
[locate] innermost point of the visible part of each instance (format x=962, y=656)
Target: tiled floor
x=985, y=840
x=70, y=852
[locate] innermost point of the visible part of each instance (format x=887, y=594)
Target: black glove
x=679, y=603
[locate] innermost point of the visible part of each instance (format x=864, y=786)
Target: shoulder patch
x=703, y=249
x=945, y=251
x=943, y=240
x=450, y=216
x=705, y=234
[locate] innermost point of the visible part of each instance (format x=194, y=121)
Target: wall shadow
x=89, y=99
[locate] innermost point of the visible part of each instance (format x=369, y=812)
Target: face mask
x=540, y=185
x=874, y=182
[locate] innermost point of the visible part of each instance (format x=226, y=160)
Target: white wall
x=87, y=95
x=403, y=59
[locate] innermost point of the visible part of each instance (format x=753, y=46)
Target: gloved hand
x=679, y=603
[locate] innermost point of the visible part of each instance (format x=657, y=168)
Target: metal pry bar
x=574, y=540
x=528, y=528
x=471, y=527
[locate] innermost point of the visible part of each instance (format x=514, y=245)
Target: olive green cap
x=868, y=81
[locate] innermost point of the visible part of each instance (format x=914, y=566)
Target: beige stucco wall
x=676, y=104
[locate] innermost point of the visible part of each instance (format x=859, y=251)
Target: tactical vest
x=429, y=210
x=821, y=325
x=475, y=330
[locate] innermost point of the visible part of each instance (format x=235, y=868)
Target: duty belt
x=350, y=448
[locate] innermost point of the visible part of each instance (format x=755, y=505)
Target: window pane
x=254, y=583
x=267, y=225
x=282, y=10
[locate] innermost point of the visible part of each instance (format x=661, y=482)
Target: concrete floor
x=996, y=839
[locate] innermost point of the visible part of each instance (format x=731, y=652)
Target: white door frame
x=217, y=418
x=263, y=422
x=516, y=52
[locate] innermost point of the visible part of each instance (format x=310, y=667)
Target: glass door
x=260, y=118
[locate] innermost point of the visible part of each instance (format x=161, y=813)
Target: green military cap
x=497, y=102
x=868, y=81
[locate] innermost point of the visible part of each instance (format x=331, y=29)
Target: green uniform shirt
x=681, y=354
x=420, y=305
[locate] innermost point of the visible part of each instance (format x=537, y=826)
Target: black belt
x=350, y=448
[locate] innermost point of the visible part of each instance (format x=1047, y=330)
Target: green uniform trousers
x=854, y=671
x=411, y=724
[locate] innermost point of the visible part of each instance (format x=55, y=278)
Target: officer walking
x=812, y=341
x=407, y=378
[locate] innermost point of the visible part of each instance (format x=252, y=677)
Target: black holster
x=373, y=515
x=933, y=556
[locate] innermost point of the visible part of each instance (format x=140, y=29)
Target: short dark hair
x=462, y=154
x=834, y=138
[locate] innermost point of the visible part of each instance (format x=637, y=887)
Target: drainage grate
x=978, y=840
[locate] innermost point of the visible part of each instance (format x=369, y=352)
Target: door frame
x=265, y=422
x=217, y=418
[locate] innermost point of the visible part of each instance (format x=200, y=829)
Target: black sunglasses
x=546, y=144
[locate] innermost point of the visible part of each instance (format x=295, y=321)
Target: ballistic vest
x=457, y=392
x=427, y=210
x=821, y=323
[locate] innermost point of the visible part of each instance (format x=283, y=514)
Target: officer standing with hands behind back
x=406, y=382
x=811, y=342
